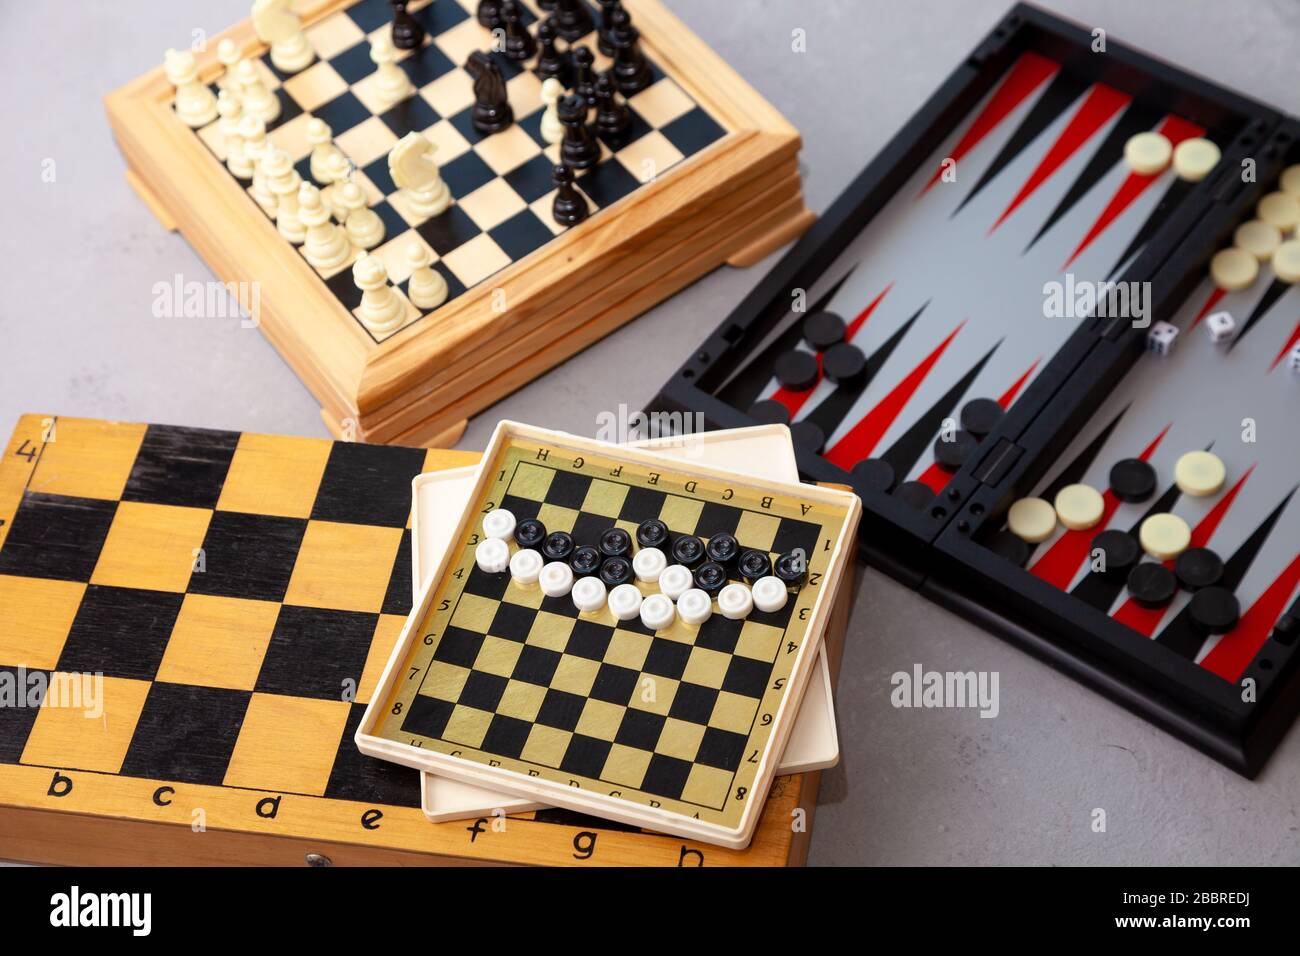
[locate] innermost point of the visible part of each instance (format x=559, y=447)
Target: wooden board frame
x=351, y=376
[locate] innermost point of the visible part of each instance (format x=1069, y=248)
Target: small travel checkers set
x=927, y=370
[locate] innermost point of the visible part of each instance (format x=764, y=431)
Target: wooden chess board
x=708, y=175
x=239, y=595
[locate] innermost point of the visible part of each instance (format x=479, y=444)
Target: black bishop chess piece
x=573, y=19
x=579, y=148
x=584, y=73
x=607, y=8
x=570, y=207
x=631, y=69
x=488, y=14
x=492, y=112
x=519, y=43
x=407, y=32
x=613, y=118
x=550, y=61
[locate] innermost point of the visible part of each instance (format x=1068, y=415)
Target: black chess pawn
x=570, y=206
x=607, y=8
x=488, y=14
x=407, y=32
x=492, y=112
x=572, y=19
x=519, y=43
x=613, y=119
x=579, y=148
x=550, y=61
x=631, y=69
x=584, y=73
x=547, y=5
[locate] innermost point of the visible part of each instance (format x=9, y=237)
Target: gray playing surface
x=933, y=786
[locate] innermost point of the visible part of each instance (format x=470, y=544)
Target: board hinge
x=998, y=462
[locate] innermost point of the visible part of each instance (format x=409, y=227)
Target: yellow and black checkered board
x=677, y=718
x=501, y=183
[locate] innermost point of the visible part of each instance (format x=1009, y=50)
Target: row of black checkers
x=711, y=564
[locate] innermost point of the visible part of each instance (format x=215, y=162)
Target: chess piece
x=572, y=19
x=488, y=14
x=631, y=69
x=230, y=111
x=408, y=34
x=427, y=289
x=195, y=103
x=253, y=94
x=570, y=206
x=321, y=138
x=257, y=146
x=381, y=308
x=338, y=170
x=277, y=24
x=607, y=8
x=584, y=73
x=393, y=84
x=552, y=128
x=492, y=112
x=229, y=56
x=519, y=43
x=283, y=180
x=613, y=119
x=550, y=61
x=579, y=148
x=364, y=227
x=412, y=167
x=326, y=246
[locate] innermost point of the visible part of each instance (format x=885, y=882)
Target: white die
x=1293, y=363
x=1161, y=338
x=1221, y=326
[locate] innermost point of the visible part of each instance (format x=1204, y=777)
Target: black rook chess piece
x=607, y=8
x=573, y=19
x=584, y=73
x=407, y=32
x=613, y=118
x=570, y=206
x=492, y=112
x=579, y=148
x=631, y=71
x=489, y=14
x=550, y=61
x=519, y=45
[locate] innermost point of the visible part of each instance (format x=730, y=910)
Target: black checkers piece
x=808, y=435
x=1119, y=552
x=821, y=330
x=791, y=567
x=754, y=564
x=557, y=546
x=980, y=416
x=615, y=543
x=951, y=453
x=1198, y=568
x=844, y=364
x=1012, y=547
x=615, y=571
x=651, y=533
x=915, y=494
x=1152, y=585
x=710, y=577
x=688, y=550
x=796, y=370
x=873, y=474
x=723, y=549
x=1214, y=610
x=530, y=533
x=585, y=561
x=769, y=412
x=1132, y=480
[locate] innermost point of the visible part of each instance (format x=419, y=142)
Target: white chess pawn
x=381, y=308
x=427, y=289
x=284, y=181
x=364, y=227
x=256, y=98
x=230, y=58
x=195, y=103
x=257, y=146
x=237, y=161
x=413, y=168
x=320, y=136
x=326, y=247
x=552, y=128
x=338, y=170
x=277, y=24
x=393, y=84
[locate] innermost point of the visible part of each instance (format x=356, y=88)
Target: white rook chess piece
x=427, y=288
x=320, y=136
x=237, y=161
x=256, y=98
x=284, y=181
x=381, y=308
x=229, y=56
x=393, y=83
x=552, y=128
x=195, y=103
x=277, y=24
x=412, y=167
x=326, y=247
x=257, y=146
x=364, y=227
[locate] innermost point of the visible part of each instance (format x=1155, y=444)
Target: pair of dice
x=1220, y=326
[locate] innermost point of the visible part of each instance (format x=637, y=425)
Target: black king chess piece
x=492, y=112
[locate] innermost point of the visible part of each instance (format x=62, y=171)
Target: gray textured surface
x=81, y=255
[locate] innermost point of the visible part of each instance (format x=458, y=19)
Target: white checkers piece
x=648, y=564
x=556, y=579
x=657, y=612
x=1164, y=536
x=1280, y=209
x=1079, y=507
x=1286, y=261
x=1195, y=158
x=1148, y=153
x=499, y=523
x=735, y=602
x=624, y=601
x=1220, y=326
x=675, y=580
x=1290, y=181
x=1161, y=338
x=770, y=594
x=1200, y=474
x=694, y=607
x=1233, y=269
x=526, y=566
x=1032, y=520
x=588, y=594
x=492, y=555
x=1259, y=238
